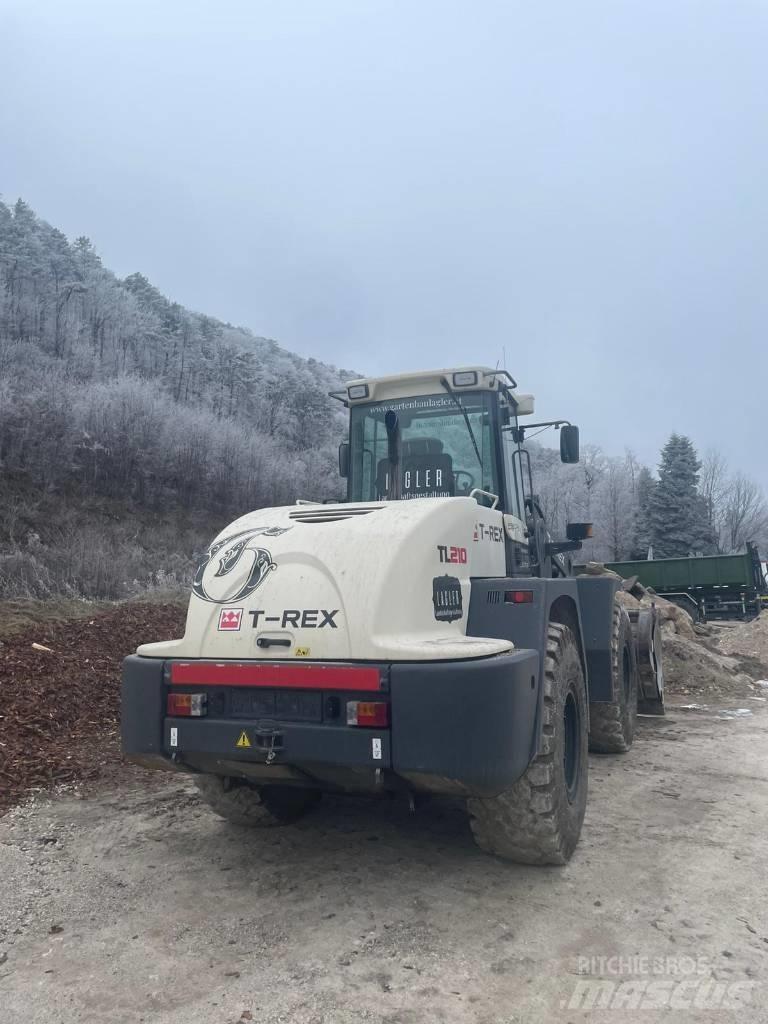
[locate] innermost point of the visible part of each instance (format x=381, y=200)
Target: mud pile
x=695, y=661
x=748, y=640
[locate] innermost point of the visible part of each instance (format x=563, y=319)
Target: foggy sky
x=580, y=187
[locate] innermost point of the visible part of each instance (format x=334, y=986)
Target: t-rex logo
x=232, y=568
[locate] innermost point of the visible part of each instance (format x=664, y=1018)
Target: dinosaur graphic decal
x=232, y=568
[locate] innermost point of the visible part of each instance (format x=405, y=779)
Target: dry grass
x=17, y=615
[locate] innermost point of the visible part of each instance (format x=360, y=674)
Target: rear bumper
x=466, y=727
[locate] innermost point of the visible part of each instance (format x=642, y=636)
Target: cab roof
x=429, y=382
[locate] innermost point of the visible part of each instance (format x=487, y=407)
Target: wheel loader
x=426, y=635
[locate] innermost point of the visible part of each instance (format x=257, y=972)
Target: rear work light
x=518, y=596
x=465, y=379
x=187, y=705
x=367, y=712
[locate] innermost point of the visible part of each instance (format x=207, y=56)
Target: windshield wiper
x=463, y=412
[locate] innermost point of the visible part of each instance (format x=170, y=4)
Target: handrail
x=501, y=373
x=487, y=494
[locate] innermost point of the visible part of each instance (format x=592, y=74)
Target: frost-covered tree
x=615, y=517
x=116, y=402
x=678, y=517
x=736, y=507
x=745, y=514
x=642, y=513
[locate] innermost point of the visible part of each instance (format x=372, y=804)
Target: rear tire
x=538, y=820
x=255, y=806
x=612, y=726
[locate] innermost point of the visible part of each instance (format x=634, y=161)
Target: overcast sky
x=582, y=186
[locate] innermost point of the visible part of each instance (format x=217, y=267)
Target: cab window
x=446, y=447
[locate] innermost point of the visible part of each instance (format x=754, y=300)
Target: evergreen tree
x=677, y=513
x=85, y=256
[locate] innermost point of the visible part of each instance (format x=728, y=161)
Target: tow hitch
x=268, y=739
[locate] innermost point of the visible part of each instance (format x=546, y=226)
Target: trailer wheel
x=538, y=820
x=255, y=806
x=612, y=726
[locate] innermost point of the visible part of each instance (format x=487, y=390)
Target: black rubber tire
x=538, y=820
x=612, y=726
x=255, y=806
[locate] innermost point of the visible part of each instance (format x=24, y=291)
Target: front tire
x=538, y=820
x=612, y=726
x=255, y=806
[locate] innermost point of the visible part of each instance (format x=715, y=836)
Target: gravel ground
x=133, y=903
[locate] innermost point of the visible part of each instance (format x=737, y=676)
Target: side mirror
x=569, y=444
x=344, y=458
x=578, y=531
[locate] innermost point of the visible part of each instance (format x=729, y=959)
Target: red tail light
x=277, y=674
x=187, y=705
x=518, y=596
x=368, y=712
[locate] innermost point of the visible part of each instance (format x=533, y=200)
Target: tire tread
x=523, y=824
x=611, y=726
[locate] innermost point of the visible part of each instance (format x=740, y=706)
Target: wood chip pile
x=60, y=694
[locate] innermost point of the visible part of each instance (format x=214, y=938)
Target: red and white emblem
x=230, y=618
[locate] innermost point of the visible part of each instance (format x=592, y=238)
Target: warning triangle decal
x=243, y=741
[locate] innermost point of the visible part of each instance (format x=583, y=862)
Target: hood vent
x=323, y=514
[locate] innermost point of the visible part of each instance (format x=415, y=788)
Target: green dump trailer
x=712, y=586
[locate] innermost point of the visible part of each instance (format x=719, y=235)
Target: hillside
x=132, y=428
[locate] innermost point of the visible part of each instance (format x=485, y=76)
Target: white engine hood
x=379, y=581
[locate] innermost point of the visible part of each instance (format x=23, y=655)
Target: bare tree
x=615, y=514
x=745, y=514
x=714, y=489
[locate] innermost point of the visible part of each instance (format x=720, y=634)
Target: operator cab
x=435, y=434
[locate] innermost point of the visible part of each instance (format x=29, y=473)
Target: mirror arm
x=519, y=432
x=558, y=547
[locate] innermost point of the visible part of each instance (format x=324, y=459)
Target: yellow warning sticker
x=302, y=652
x=243, y=741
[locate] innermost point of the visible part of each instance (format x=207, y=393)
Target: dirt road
x=136, y=904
